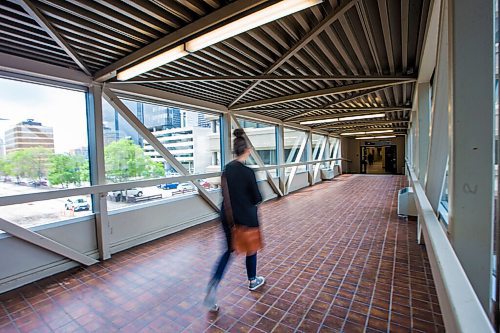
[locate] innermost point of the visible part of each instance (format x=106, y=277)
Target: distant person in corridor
x=239, y=209
x=370, y=159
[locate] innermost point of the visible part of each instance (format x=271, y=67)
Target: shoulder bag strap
x=227, y=202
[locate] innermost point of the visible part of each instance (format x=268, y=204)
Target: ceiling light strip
x=332, y=120
x=261, y=17
x=370, y=132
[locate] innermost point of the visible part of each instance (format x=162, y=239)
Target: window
x=193, y=138
x=335, y=150
x=443, y=204
x=295, y=148
x=43, y=146
x=263, y=138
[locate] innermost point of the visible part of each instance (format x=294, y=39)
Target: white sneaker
x=256, y=283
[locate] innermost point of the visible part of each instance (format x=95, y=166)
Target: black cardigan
x=243, y=193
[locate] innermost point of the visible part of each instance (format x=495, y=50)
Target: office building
x=29, y=134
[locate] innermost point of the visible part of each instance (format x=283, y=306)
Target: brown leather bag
x=245, y=240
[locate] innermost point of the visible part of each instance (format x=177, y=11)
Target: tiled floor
x=337, y=259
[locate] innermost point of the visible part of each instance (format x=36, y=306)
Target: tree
x=63, y=170
x=124, y=160
x=83, y=165
x=29, y=162
x=5, y=167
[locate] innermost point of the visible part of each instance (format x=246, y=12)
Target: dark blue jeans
x=251, y=261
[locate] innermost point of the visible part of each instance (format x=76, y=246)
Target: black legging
x=251, y=261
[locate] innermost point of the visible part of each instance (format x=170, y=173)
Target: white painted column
x=424, y=104
x=309, y=157
x=225, y=135
x=97, y=169
x=438, y=147
x=414, y=162
x=280, y=150
x=471, y=114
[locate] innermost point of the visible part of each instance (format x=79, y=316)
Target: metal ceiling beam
x=344, y=100
x=205, y=22
x=369, y=129
x=12, y=66
x=362, y=124
x=346, y=26
x=156, y=95
x=319, y=93
x=384, y=18
x=405, y=7
x=367, y=28
x=366, y=109
x=301, y=43
x=52, y=32
x=346, y=114
x=268, y=78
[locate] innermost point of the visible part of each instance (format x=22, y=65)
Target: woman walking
x=239, y=218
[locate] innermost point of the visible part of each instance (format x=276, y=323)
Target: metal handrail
x=105, y=188
x=461, y=309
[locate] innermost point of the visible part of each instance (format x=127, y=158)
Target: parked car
x=205, y=184
x=185, y=187
x=131, y=192
x=169, y=186
x=77, y=204
x=38, y=182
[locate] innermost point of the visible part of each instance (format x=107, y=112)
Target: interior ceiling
x=340, y=57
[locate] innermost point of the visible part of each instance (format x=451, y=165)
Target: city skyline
x=47, y=105
x=62, y=109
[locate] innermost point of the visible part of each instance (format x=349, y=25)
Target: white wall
x=299, y=181
x=22, y=263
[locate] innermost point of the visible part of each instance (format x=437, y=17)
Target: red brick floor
x=337, y=259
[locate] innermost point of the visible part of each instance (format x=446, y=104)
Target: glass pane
x=47, y=211
x=263, y=138
x=193, y=139
x=43, y=146
x=334, y=150
x=295, y=152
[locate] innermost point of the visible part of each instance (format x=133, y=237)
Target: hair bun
x=239, y=132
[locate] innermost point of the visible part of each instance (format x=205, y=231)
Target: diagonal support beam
x=303, y=144
x=203, y=23
x=44, y=242
x=319, y=93
x=42, y=21
x=257, y=159
x=320, y=157
x=124, y=111
x=301, y=43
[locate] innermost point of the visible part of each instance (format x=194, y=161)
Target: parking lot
x=47, y=211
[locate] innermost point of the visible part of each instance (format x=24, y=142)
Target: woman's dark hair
x=239, y=143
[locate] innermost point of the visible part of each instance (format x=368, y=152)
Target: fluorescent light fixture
x=332, y=120
x=366, y=116
x=371, y=132
x=156, y=61
x=376, y=137
x=261, y=17
x=310, y=122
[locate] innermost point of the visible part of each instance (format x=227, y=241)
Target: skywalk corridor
x=337, y=259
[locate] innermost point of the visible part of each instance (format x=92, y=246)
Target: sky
x=63, y=110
